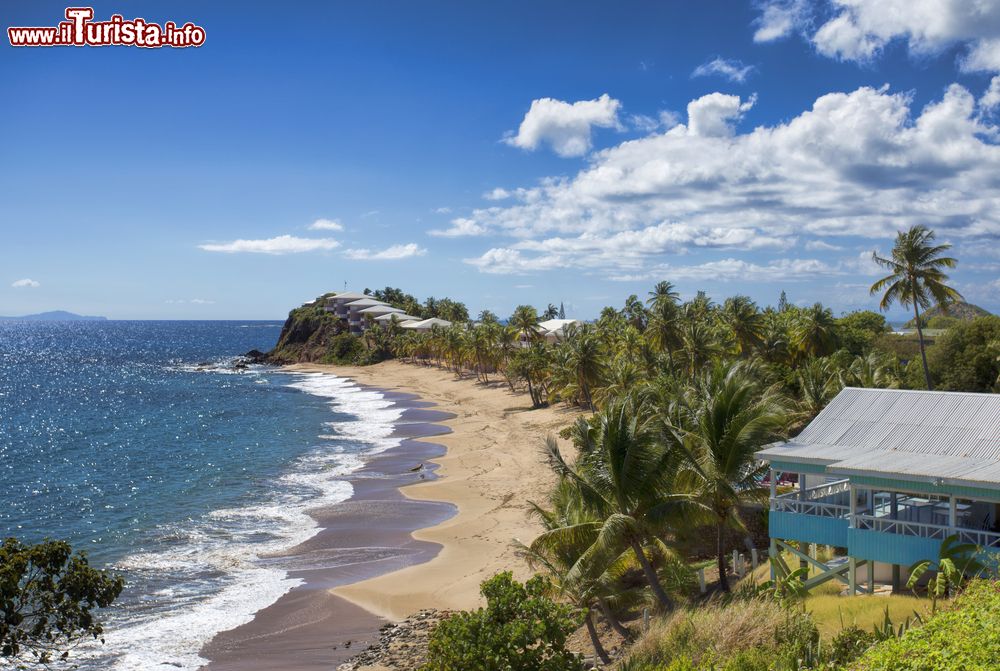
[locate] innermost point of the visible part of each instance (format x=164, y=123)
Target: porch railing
x=828, y=489
x=788, y=504
x=887, y=525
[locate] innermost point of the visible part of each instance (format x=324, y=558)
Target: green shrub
x=964, y=638
x=850, y=644
x=519, y=630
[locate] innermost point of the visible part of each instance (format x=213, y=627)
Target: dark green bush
x=519, y=630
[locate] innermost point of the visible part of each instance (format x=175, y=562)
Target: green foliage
x=963, y=358
x=942, y=322
x=520, y=629
x=849, y=644
x=966, y=637
x=956, y=563
x=47, y=598
x=859, y=330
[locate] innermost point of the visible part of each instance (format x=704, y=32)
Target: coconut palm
x=814, y=332
x=698, y=345
x=525, y=322
x=744, y=322
x=818, y=382
x=620, y=378
x=625, y=477
x=917, y=278
x=586, y=358
x=727, y=419
x=635, y=313
x=663, y=330
x=877, y=370
x=663, y=292
x=570, y=529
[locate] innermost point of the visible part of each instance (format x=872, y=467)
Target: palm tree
x=727, y=419
x=745, y=323
x=663, y=330
x=814, y=331
x=585, y=358
x=878, y=370
x=525, y=321
x=561, y=551
x=663, y=292
x=916, y=278
x=624, y=476
x=551, y=312
x=635, y=312
x=698, y=344
x=818, y=384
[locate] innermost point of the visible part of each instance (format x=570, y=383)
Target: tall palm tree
x=663, y=330
x=745, y=323
x=570, y=529
x=625, y=477
x=917, y=278
x=525, y=321
x=586, y=358
x=815, y=331
x=727, y=419
x=663, y=292
x=698, y=345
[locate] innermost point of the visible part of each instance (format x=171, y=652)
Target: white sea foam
x=218, y=568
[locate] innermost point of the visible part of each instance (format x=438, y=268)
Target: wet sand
x=363, y=537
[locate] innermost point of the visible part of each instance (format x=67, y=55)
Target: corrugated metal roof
x=939, y=435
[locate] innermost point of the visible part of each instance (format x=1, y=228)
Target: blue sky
x=497, y=153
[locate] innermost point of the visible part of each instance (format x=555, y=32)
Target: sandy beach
x=479, y=452
x=493, y=466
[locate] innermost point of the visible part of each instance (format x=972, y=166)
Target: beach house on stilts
x=884, y=476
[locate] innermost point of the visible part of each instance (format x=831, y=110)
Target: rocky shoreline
x=401, y=646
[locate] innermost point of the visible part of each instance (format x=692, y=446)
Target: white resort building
x=358, y=308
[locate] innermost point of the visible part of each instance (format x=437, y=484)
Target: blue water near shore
x=141, y=444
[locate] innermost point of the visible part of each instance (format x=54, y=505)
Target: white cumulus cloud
x=863, y=163
x=282, y=244
x=566, y=127
x=715, y=114
x=780, y=18
x=326, y=225
x=859, y=30
x=732, y=69
x=26, y=283
x=393, y=253
x=460, y=227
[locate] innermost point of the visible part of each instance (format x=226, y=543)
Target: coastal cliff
x=313, y=335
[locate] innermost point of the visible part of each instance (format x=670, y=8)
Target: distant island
x=54, y=316
x=960, y=311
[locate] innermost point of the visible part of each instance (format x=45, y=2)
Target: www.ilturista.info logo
x=79, y=30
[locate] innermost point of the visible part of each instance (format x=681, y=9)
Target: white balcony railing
x=788, y=504
x=828, y=489
x=887, y=525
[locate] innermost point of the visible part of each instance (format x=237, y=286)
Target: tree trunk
x=613, y=621
x=595, y=639
x=654, y=582
x=531, y=392
x=920, y=338
x=720, y=549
